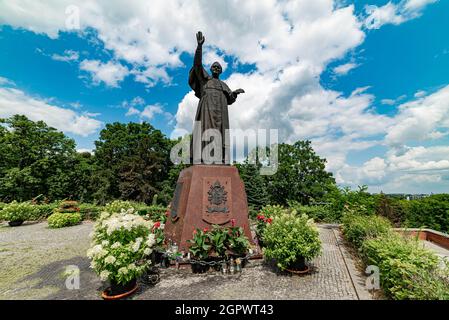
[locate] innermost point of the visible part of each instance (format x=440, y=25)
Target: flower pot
x=156, y=257
x=198, y=268
x=216, y=267
x=299, y=266
x=15, y=223
x=119, y=291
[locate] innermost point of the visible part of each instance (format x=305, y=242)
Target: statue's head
x=216, y=69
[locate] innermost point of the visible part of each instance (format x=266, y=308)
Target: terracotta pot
x=119, y=291
x=15, y=223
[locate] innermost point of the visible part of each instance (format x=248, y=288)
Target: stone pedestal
x=206, y=195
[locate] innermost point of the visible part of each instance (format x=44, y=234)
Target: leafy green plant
x=43, y=211
x=357, y=228
x=157, y=213
x=290, y=237
x=407, y=271
x=237, y=243
x=158, y=231
x=121, y=246
x=430, y=212
x=200, y=244
x=217, y=238
x=18, y=211
x=90, y=211
x=265, y=217
x=322, y=213
x=117, y=205
x=63, y=219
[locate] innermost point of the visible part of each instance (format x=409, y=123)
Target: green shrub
x=265, y=217
x=289, y=237
x=407, y=271
x=322, y=213
x=393, y=209
x=270, y=211
x=155, y=212
x=117, y=205
x=43, y=211
x=63, y=219
x=430, y=212
x=68, y=206
x=90, y=211
x=357, y=228
x=18, y=211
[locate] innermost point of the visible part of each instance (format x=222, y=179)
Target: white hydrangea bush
x=121, y=245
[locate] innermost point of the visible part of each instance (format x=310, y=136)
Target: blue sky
x=366, y=81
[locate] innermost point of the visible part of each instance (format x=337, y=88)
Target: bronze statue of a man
x=212, y=116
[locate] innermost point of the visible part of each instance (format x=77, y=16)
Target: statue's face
x=216, y=69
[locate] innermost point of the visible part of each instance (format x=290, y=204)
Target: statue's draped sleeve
x=197, y=75
x=230, y=96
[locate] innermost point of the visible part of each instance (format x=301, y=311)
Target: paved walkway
x=33, y=259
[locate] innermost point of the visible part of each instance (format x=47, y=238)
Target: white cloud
x=389, y=102
x=420, y=94
x=110, y=73
x=132, y=111
x=14, y=101
x=150, y=111
x=395, y=14
x=420, y=119
x=343, y=69
x=68, y=56
x=152, y=36
x=5, y=81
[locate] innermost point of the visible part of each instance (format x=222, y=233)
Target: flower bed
x=217, y=246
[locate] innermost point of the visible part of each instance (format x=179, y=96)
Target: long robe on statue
x=212, y=112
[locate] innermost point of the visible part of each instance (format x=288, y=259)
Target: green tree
x=255, y=185
x=132, y=160
x=300, y=176
x=32, y=155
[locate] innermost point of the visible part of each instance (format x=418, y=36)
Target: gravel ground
x=33, y=260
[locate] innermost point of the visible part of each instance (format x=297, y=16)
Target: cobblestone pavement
x=33, y=259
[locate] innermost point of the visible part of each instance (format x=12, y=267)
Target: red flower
x=269, y=220
x=157, y=225
x=205, y=230
x=194, y=231
x=260, y=217
x=233, y=222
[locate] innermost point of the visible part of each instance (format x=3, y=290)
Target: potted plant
x=218, y=238
x=158, y=253
x=261, y=224
x=121, y=246
x=200, y=248
x=291, y=240
x=237, y=243
x=16, y=213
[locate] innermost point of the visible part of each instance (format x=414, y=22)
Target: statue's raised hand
x=239, y=91
x=200, y=38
